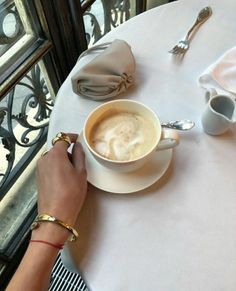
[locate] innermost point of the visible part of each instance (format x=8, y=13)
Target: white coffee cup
x=135, y=112
x=219, y=113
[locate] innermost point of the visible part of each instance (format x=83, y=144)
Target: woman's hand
x=62, y=181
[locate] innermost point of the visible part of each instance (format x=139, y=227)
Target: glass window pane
x=11, y=26
x=19, y=30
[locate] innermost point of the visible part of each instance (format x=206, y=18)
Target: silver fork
x=183, y=45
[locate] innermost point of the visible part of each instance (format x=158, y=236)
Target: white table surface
x=180, y=233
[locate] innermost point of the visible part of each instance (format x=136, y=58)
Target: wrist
x=45, y=218
x=50, y=232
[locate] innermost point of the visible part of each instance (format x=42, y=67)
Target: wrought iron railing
x=24, y=117
x=114, y=13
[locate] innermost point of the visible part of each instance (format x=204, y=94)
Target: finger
x=78, y=156
x=73, y=137
x=45, y=153
x=63, y=145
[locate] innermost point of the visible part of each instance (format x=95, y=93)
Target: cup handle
x=169, y=139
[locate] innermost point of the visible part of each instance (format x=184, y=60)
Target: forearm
x=61, y=193
x=35, y=268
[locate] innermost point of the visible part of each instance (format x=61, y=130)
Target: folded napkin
x=221, y=75
x=108, y=74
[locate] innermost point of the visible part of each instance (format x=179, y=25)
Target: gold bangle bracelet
x=49, y=218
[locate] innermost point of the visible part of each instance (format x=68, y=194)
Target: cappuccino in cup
x=123, y=135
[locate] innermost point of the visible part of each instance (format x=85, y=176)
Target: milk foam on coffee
x=123, y=136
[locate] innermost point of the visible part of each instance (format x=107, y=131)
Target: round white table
x=180, y=233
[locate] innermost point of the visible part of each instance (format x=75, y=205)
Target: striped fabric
x=64, y=280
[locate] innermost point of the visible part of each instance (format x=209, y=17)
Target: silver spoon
x=184, y=124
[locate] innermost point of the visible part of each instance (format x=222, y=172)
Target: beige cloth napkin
x=221, y=75
x=108, y=74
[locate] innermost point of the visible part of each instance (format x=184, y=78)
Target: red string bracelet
x=59, y=246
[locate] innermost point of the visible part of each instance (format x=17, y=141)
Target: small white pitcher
x=219, y=113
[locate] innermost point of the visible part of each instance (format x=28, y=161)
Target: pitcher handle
x=210, y=93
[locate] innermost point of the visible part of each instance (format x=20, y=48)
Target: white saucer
x=124, y=183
